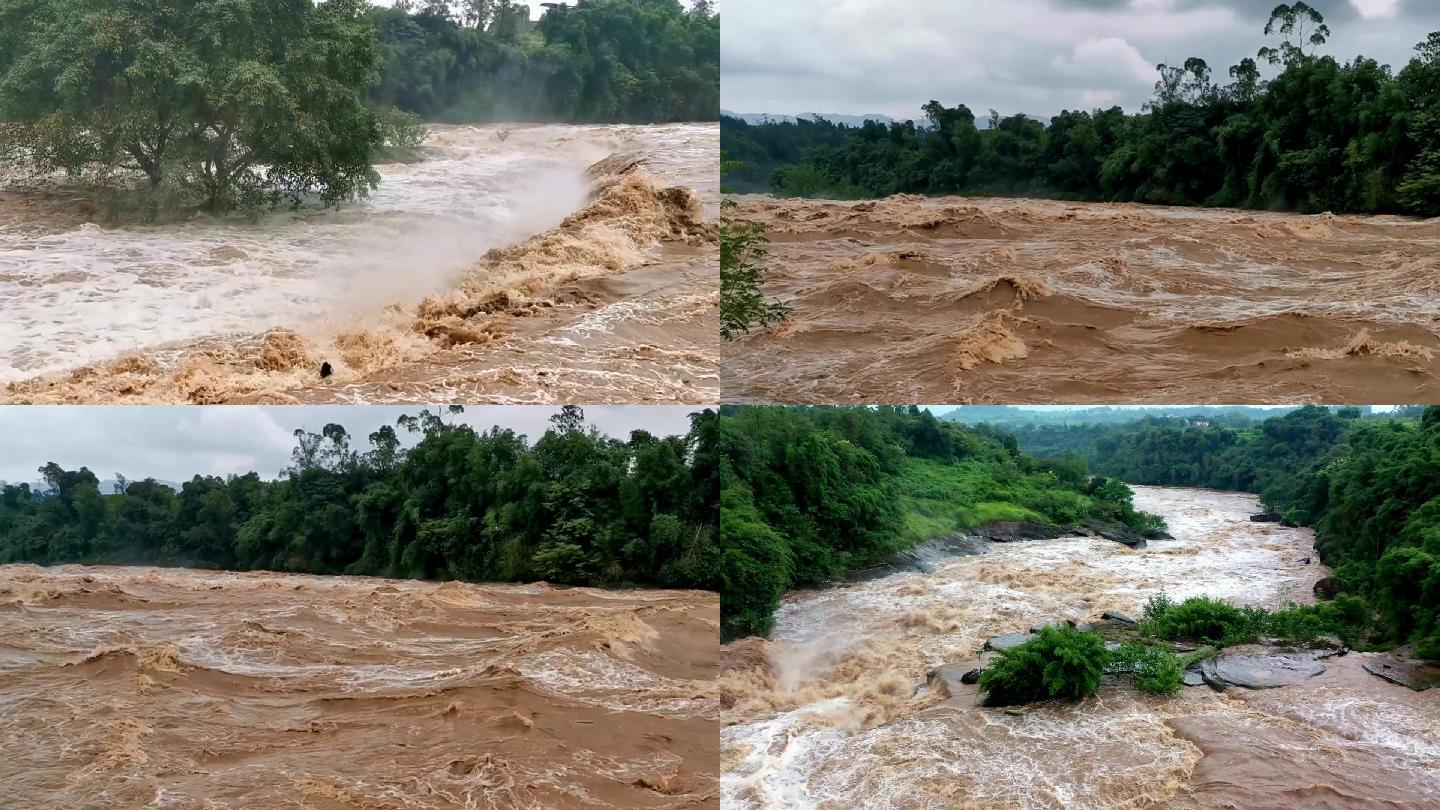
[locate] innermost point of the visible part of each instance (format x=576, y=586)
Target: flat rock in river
x=1256, y=667
x=1008, y=640
x=1397, y=667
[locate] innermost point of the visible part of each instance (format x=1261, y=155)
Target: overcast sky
x=1031, y=56
x=176, y=443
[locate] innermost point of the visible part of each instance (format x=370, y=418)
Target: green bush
x=1061, y=662
x=1153, y=670
x=1201, y=618
x=1347, y=617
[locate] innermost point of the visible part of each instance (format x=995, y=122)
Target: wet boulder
x=922, y=558
x=1328, y=588
x=1193, y=677
x=1398, y=667
x=1118, y=534
x=1256, y=667
x=1116, y=616
x=948, y=680
x=1265, y=517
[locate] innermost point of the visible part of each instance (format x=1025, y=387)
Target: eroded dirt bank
x=827, y=713
x=551, y=264
x=913, y=299
x=175, y=688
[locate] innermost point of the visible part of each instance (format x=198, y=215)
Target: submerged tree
x=217, y=102
x=742, y=304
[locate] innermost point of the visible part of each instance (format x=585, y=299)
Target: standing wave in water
x=175, y=688
x=508, y=265
x=833, y=711
x=914, y=299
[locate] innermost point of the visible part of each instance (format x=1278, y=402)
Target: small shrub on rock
x=1061, y=662
x=1201, y=618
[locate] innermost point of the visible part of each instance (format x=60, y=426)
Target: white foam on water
x=1109, y=749
x=89, y=294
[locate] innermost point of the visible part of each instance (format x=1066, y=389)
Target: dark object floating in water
x=325, y=370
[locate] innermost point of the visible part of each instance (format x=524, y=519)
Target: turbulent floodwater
x=912, y=299
x=412, y=295
x=173, y=688
x=826, y=713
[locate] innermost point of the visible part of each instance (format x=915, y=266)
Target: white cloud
x=1106, y=59
x=1376, y=9
x=1092, y=98
x=1032, y=56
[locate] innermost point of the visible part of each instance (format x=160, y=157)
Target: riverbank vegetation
x=1368, y=485
x=601, y=61
x=575, y=507
x=809, y=494
x=1318, y=134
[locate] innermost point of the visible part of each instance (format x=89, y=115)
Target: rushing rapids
x=829, y=712
x=175, y=688
x=555, y=263
x=912, y=299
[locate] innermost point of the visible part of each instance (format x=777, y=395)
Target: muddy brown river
x=175, y=688
x=913, y=299
x=826, y=713
x=533, y=264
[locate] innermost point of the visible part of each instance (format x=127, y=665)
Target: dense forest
x=1013, y=415
x=810, y=493
x=1318, y=135
x=575, y=507
x=1369, y=485
x=628, y=61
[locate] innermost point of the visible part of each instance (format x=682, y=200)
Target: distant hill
x=982, y=119
x=107, y=486
x=835, y=118
x=1010, y=415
